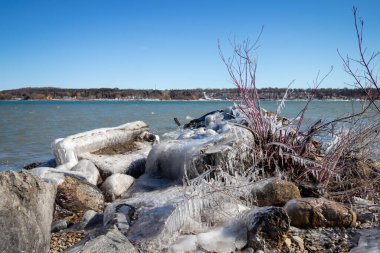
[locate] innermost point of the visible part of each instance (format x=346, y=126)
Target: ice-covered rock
x=88, y=170
x=112, y=150
x=193, y=153
x=223, y=239
x=184, y=244
x=115, y=185
x=57, y=175
x=26, y=212
x=131, y=163
x=164, y=211
x=319, y=212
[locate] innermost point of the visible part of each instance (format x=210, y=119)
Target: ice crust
x=67, y=150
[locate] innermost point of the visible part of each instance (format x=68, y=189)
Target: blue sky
x=173, y=44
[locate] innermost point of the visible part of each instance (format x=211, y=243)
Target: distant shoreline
x=231, y=94
x=180, y=100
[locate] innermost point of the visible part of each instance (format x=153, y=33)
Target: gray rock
x=26, y=212
x=366, y=217
x=274, y=192
x=90, y=220
x=58, y=225
x=108, y=241
x=115, y=185
x=77, y=195
x=118, y=214
x=88, y=170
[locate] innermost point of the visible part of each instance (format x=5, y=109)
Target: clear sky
x=173, y=44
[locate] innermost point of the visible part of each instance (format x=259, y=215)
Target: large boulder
x=77, y=195
x=26, y=212
x=274, y=192
x=319, y=212
x=116, y=185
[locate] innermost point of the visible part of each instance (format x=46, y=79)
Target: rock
x=116, y=185
x=118, y=214
x=319, y=212
x=194, y=152
x=58, y=225
x=90, y=219
x=274, y=192
x=267, y=227
x=108, y=241
x=88, y=170
x=26, y=212
x=366, y=217
x=78, y=196
x=369, y=241
x=299, y=241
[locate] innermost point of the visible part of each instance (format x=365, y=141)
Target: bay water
x=27, y=128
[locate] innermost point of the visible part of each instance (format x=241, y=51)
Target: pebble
x=61, y=241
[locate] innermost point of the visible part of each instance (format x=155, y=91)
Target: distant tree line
x=179, y=94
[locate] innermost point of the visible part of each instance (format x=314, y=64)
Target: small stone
x=248, y=250
x=288, y=242
x=58, y=225
x=299, y=241
x=366, y=217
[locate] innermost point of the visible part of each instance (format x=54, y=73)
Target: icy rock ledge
x=119, y=149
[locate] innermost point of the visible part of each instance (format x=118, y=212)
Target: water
x=27, y=128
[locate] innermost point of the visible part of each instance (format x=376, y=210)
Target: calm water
x=28, y=127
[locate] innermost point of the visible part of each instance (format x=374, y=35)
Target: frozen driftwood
x=113, y=150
